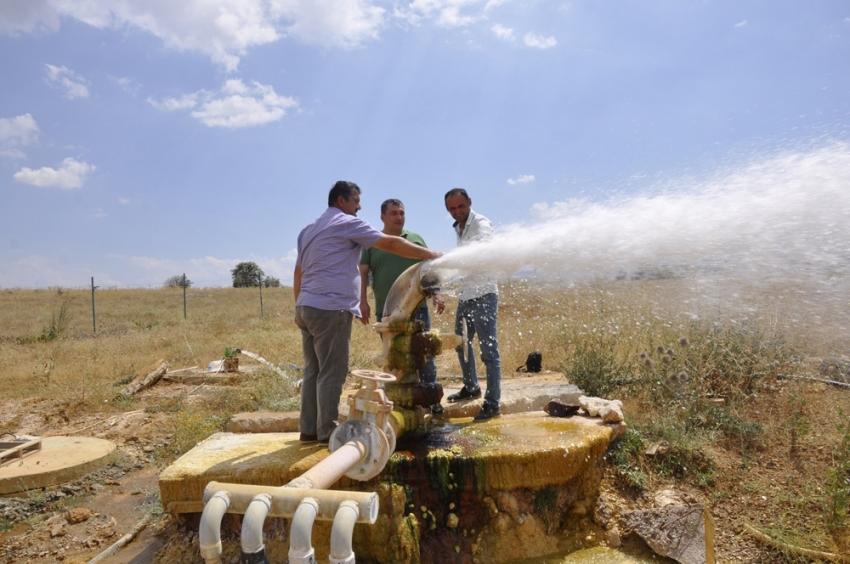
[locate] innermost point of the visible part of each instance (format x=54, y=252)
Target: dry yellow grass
x=135, y=328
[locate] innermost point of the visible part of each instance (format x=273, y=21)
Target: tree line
x=246, y=274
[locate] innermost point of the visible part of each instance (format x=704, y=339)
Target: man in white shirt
x=478, y=305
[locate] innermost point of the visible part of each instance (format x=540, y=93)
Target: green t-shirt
x=387, y=267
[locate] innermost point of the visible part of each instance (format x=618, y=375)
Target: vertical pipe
x=253, y=549
x=300, y=542
x=341, y=533
x=260, y=278
x=93, y=314
x=184, y=295
x=209, y=534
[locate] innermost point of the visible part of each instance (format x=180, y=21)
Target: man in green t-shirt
x=385, y=269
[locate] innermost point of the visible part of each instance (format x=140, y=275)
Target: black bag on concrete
x=534, y=363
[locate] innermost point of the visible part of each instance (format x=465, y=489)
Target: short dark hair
x=390, y=202
x=342, y=188
x=456, y=192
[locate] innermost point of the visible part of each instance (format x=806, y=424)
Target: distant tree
x=176, y=281
x=271, y=282
x=246, y=275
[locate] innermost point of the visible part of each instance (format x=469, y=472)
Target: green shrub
x=626, y=455
x=838, y=481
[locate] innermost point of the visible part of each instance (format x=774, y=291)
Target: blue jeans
x=428, y=372
x=480, y=315
x=325, y=340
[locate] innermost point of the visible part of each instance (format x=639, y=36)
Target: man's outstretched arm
x=404, y=248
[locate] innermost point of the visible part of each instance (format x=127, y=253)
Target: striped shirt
x=329, y=254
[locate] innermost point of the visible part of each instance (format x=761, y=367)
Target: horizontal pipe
x=285, y=500
x=327, y=472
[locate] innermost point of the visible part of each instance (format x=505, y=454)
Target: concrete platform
x=61, y=459
x=519, y=395
x=440, y=490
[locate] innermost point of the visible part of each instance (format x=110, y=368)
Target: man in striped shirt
x=326, y=283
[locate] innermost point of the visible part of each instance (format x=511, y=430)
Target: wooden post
x=260, y=278
x=93, y=311
x=184, y=295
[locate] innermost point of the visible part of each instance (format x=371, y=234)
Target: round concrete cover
x=61, y=459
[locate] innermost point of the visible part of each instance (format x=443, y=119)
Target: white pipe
x=300, y=544
x=341, y=533
x=209, y=535
x=326, y=473
x=252, y=524
x=285, y=500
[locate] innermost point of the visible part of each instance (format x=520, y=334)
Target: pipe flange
x=376, y=443
x=389, y=432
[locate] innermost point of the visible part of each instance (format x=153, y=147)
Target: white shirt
x=478, y=228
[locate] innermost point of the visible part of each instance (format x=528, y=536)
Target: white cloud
x=41, y=271
x=330, y=23
x=62, y=77
x=236, y=105
x=171, y=104
x=538, y=41
x=27, y=16
x=522, y=179
x=70, y=175
x=124, y=201
x=493, y=4
x=741, y=24
x=126, y=84
x=446, y=13
x=19, y=130
x=221, y=29
x=99, y=213
x=502, y=32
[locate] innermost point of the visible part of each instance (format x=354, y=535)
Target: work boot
x=306, y=439
x=464, y=394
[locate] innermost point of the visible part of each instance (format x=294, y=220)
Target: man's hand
x=365, y=311
x=435, y=255
x=439, y=303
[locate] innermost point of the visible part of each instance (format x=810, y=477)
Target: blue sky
x=142, y=139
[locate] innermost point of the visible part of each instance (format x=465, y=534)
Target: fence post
x=93, y=311
x=260, y=278
x=184, y=295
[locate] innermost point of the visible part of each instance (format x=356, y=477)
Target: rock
x=78, y=515
x=676, y=531
x=612, y=537
x=665, y=498
x=611, y=411
x=58, y=529
x=557, y=408
x=603, y=512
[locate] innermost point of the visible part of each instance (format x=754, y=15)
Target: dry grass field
x=697, y=372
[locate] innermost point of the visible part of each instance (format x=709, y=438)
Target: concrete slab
x=264, y=422
x=61, y=459
x=519, y=395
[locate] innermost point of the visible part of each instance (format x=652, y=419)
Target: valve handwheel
x=374, y=375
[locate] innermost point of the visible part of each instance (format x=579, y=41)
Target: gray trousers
x=325, y=339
